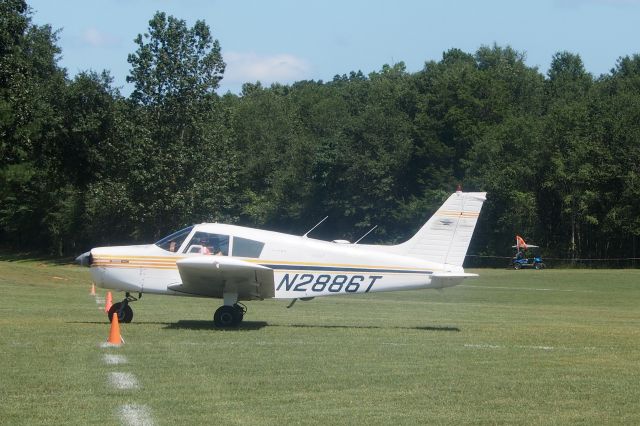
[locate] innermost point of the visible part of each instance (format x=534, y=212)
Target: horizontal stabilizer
x=449, y=279
x=450, y=275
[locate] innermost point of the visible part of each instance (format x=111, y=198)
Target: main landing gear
x=231, y=313
x=124, y=311
x=229, y=316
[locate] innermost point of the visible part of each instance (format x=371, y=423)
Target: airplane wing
x=212, y=275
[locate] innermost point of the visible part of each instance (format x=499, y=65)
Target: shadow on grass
x=208, y=325
x=184, y=324
x=370, y=327
x=435, y=328
x=257, y=325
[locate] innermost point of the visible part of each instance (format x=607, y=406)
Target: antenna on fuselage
x=368, y=232
x=317, y=224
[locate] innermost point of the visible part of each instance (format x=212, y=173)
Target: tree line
x=81, y=165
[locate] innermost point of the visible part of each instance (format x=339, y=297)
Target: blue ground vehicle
x=527, y=258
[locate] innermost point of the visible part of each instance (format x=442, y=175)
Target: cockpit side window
x=174, y=241
x=243, y=247
x=206, y=243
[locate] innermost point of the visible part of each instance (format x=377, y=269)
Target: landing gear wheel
x=125, y=313
x=226, y=316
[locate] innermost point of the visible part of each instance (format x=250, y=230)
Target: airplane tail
x=446, y=236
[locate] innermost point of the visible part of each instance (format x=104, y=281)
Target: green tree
x=619, y=133
x=189, y=161
x=277, y=156
x=570, y=151
x=376, y=178
x=31, y=85
x=175, y=66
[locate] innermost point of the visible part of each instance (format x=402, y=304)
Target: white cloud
x=245, y=67
x=96, y=38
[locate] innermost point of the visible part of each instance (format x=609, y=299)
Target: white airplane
x=236, y=263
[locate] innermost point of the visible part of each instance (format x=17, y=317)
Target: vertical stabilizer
x=446, y=236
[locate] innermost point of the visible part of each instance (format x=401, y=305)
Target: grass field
x=512, y=347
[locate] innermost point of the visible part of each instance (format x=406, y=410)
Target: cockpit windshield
x=174, y=241
x=207, y=243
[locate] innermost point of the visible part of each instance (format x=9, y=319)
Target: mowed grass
x=511, y=347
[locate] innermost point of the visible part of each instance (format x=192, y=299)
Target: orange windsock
x=93, y=289
x=108, y=301
x=114, y=333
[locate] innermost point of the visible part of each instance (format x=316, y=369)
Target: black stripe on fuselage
x=343, y=269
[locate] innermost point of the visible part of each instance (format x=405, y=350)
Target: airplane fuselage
x=235, y=263
x=303, y=267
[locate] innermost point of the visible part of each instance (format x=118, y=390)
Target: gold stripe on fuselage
x=154, y=262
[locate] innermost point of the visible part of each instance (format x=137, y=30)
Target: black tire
x=239, y=314
x=540, y=266
x=124, y=315
x=517, y=266
x=226, y=316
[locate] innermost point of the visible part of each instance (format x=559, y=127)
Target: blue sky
x=287, y=40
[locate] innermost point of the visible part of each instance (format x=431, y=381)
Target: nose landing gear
x=124, y=311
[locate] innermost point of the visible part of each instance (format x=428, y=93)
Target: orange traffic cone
x=108, y=302
x=114, y=333
x=93, y=289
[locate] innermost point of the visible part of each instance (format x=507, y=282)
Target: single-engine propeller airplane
x=235, y=263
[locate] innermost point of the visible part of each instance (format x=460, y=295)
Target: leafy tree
x=276, y=155
x=175, y=66
x=189, y=163
x=85, y=145
x=619, y=133
x=81, y=165
x=568, y=180
x=375, y=168
x=31, y=84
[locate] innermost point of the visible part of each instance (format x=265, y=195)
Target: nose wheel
x=124, y=312
x=122, y=309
